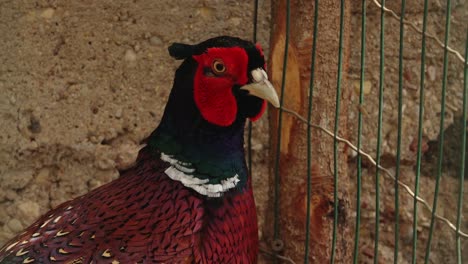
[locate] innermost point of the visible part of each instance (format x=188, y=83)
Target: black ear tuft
x=180, y=51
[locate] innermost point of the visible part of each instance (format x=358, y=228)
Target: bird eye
x=218, y=67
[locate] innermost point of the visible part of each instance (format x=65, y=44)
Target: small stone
x=48, y=13
x=221, y=16
x=366, y=88
x=15, y=225
x=12, y=100
x=118, y=113
x=105, y=164
x=236, y=21
x=206, y=12
x=352, y=153
x=110, y=134
x=43, y=176
x=137, y=47
x=130, y=55
x=127, y=156
x=155, y=41
x=431, y=73
x=11, y=195
x=35, y=125
x=94, y=136
x=257, y=147
x=29, y=211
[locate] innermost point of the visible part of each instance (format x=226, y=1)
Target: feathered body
x=188, y=199
x=143, y=217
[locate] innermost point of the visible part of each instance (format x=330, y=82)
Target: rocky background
x=83, y=82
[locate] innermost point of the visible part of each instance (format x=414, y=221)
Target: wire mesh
x=309, y=131
x=280, y=121
x=441, y=135
x=400, y=118
x=420, y=131
x=413, y=192
x=357, y=227
x=336, y=127
x=379, y=132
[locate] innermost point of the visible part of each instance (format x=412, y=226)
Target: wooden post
x=293, y=153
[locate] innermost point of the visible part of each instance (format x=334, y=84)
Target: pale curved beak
x=262, y=88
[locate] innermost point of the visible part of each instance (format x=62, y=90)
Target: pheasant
x=188, y=198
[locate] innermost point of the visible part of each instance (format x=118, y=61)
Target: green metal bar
x=441, y=132
x=400, y=122
x=359, y=139
x=379, y=132
x=280, y=121
x=463, y=156
x=335, y=141
x=309, y=131
x=420, y=132
x=255, y=21
x=249, y=129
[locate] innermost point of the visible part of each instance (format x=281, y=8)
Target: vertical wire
x=255, y=19
x=249, y=129
x=359, y=157
x=441, y=132
x=335, y=141
x=420, y=132
x=463, y=156
x=280, y=121
x=379, y=132
x=400, y=119
x=309, y=132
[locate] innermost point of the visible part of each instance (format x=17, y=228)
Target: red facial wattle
x=213, y=90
